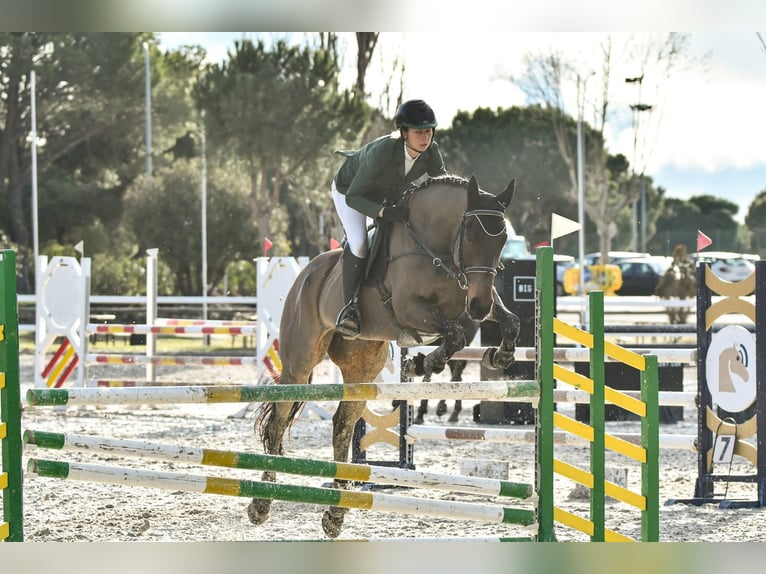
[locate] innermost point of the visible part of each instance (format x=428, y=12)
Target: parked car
x=728, y=265
x=640, y=275
x=563, y=262
x=607, y=278
x=516, y=247
x=614, y=256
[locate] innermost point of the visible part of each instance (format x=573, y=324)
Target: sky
x=703, y=136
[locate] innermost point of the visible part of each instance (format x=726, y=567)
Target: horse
x=437, y=267
x=678, y=282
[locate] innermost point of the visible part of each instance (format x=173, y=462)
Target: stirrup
x=349, y=323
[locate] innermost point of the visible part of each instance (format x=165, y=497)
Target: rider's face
x=419, y=139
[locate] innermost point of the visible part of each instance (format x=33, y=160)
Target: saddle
x=379, y=257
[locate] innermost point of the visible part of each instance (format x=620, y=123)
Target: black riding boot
x=349, y=321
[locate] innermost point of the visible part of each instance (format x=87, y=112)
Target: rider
x=370, y=183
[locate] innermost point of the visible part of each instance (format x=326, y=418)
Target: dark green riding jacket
x=375, y=173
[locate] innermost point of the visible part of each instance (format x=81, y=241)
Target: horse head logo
x=734, y=360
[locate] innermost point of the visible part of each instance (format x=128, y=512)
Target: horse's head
x=479, y=243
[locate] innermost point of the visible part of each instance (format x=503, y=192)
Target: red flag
x=266, y=245
x=334, y=243
x=542, y=244
x=702, y=241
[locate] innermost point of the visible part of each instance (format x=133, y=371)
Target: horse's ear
x=473, y=190
x=507, y=195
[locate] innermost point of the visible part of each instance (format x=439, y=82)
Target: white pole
x=35, y=227
x=151, y=308
x=581, y=85
x=204, y=230
x=148, y=112
x=581, y=203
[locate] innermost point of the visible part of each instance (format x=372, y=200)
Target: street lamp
x=203, y=193
x=148, y=112
x=637, y=108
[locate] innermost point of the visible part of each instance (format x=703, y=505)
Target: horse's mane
x=449, y=179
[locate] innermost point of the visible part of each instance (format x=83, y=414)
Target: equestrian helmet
x=415, y=114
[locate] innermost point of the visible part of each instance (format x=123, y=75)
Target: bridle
x=457, y=250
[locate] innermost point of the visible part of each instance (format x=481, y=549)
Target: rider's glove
x=395, y=213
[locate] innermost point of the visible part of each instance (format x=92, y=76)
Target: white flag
x=80, y=247
x=561, y=226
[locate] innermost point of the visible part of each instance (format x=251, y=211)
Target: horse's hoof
x=258, y=510
x=441, y=409
x=453, y=417
x=413, y=366
x=332, y=521
x=495, y=359
x=418, y=420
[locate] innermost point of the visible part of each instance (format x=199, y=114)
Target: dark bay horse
x=439, y=268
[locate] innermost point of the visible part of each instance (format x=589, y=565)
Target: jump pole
x=292, y=493
x=290, y=465
x=198, y=394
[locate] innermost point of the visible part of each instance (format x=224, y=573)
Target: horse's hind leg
x=277, y=418
x=421, y=412
x=360, y=361
x=298, y=362
x=343, y=423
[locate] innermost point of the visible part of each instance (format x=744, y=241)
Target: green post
x=650, y=440
x=10, y=398
x=545, y=292
x=597, y=418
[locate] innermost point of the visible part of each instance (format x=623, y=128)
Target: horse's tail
x=266, y=411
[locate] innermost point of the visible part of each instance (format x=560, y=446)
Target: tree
x=679, y=221
x=546, y=79
x=365, y=42
x=165, y=212
x=755, y=220
x=90, y=124
x=278, y=110
x=517, y=142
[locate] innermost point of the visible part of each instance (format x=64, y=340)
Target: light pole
x=148, y=112
x=204, y=220
x=637, y=108
x=35, y=224
x=581, y=84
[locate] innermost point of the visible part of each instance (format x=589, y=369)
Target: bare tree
x=609, y=186
x=365, y=42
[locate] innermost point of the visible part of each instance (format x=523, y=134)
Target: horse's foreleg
x=275, y=422
x=502, y=357
x=453, y=340
x=343, y=422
